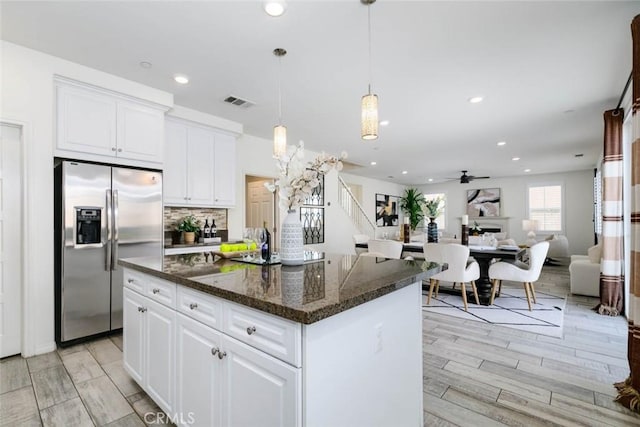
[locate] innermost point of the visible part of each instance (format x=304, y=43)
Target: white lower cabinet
x=223, y=382
x=149, y=347
x=258, y=389
x=197, y=373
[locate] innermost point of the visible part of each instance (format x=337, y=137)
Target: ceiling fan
x=465, y=179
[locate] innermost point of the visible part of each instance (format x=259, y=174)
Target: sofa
x=584, y=272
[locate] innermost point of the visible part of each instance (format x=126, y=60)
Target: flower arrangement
x=298, y=179
x=476, y=227
x=432, y=208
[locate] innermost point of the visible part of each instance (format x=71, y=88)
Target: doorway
x=261, y=204
x=10, y=239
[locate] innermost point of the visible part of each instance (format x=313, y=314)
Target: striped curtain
x=611, y=267
x=629, y=390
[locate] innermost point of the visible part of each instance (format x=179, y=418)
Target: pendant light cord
x=279, y=90
x=369, y=33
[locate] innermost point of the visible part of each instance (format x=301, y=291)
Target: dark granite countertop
x=308, y=293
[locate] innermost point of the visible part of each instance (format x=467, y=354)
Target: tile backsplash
x=173, y=216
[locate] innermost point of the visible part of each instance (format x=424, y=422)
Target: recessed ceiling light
x=527, y=170
x=374, y=163
x=384, y=123
x=475, y=99
x=182, y=79
x=145, y=64
x=404, y=172
x=275, y=8
x=515, y=159
x=501, y=143
x=430, y=180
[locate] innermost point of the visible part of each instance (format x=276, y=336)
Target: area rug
x=510, y=309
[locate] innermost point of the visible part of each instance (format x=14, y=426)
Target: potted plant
x=189, y=225
x=475, y=230
x=412, y=203
x=432, y=208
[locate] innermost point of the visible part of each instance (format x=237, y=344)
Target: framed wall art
x=483, y=203
x=387, y=210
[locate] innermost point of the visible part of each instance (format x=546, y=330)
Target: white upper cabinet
x=200, y=165
x=86, y=121
x=140, y=132
x=94, y=124
x=225, y=167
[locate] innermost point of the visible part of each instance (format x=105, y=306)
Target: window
x=312, y=216
x=545, y=206
x=441, y=220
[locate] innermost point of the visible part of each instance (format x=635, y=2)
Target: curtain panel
x=611, y=266
x=629, y=390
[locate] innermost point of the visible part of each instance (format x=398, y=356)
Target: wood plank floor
x=474, y=375
x=483, y=375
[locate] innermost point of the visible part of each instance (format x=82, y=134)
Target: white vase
x=291, y=242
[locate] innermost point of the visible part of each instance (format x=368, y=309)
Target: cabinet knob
x=214, y=351
x=119, y=150
x=129, y=280
x=251, y=330
x=142, y=309
x=216, y=200
x=113, y=148
x=156, y=291
x=221, y=354
x=193, y=306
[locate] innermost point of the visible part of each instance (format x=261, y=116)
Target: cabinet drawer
x=134, y=280
x=273, y=335
x=161, y=290
x=200, y=306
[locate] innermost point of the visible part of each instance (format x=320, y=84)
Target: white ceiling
x=547, y=71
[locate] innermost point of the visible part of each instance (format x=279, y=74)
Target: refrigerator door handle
x=114, y=252
x=107, y=263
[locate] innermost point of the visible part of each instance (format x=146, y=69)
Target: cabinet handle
x=251, y=330
x=142, y=309
x=214, y=351
x=221, y=354
x=156, y=291
x=193, y=306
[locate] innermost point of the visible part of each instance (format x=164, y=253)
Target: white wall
x=28, y=97
x=578, y=203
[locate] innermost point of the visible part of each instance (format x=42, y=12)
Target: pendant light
x=279, y=131
x=369, y=119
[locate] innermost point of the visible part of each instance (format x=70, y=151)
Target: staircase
x=355, y=211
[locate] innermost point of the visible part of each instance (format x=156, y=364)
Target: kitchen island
x=336, y=341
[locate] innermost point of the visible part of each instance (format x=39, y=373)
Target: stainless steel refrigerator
x=102, y=213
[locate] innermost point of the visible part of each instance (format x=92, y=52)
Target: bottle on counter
x=214, y=230
x=265, y=250
x=207, y=229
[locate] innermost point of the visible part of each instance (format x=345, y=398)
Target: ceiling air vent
x=239, y=102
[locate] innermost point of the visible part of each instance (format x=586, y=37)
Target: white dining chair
x=520, y=272
x=388, y=248
x=459, y=268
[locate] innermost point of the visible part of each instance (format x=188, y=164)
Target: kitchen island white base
x=208, y=361
x=363, y=367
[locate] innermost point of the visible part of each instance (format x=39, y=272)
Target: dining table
x=484, y=255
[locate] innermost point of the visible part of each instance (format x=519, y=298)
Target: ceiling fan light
x=279, y=140
x=369, y=120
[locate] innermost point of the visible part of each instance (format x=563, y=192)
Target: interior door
x=10, y=240
x=260, y=204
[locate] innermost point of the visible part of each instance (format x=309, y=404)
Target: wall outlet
x=377, y=348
